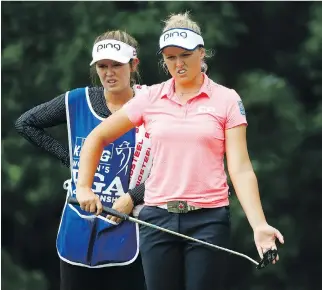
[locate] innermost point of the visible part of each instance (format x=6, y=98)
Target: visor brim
x=179, y=46
x=118, y=58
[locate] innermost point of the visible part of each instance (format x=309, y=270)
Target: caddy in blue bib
x=84, y=239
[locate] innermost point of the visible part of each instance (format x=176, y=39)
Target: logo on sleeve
x=241, y=108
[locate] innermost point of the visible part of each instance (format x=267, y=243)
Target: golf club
x=268, y=257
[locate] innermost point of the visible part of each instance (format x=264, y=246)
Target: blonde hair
x=120, y=36
x=183, y=20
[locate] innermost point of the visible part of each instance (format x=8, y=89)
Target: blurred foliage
x=14, y=277
x=270, y=52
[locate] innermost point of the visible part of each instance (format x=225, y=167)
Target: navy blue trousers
x=129, y=277
x=174, y=263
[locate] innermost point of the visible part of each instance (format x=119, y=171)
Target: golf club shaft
x=113, y=212
x=190, y=238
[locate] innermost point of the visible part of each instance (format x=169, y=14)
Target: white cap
x=180, y=37
x=114, y=50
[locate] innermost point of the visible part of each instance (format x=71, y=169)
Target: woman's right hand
x=88, y=200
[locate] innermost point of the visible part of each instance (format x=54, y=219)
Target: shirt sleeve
x=32, y=124
x=236, y=114
x=136, y=107
x=137, y=194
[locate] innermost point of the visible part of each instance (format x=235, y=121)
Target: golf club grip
x=106, y=210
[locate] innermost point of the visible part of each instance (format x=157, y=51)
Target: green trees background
x=270, y=52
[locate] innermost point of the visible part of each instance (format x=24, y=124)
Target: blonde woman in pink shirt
x=193, y=122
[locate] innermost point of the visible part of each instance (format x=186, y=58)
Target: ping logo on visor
x=114, y=50
x=180, y=37
x=182, y=34
x=108, y=45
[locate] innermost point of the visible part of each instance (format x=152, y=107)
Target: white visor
x=114, y=50
x=180, y=37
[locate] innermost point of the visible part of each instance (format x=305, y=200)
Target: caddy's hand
x=123, y=204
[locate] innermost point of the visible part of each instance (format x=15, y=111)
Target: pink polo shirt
x=188, y=141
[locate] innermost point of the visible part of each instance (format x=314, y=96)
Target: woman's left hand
x=264, y=237
x=123, y=204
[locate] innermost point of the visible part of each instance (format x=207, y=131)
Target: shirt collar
x=168, y=88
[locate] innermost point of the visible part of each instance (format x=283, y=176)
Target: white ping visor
x=114, y=50
x=180, y=37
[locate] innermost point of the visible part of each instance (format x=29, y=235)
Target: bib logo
x=107, y=192
x=106, y=155
x=125, y=152
x=116, y=158
x=175, y=34
x=108, y=45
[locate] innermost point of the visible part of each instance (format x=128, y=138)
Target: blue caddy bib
x=84, y=239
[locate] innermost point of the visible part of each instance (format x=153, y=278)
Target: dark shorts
x=174, y=263
x=128, y=277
